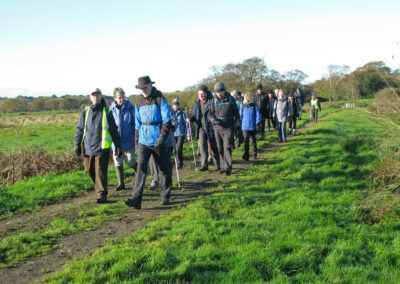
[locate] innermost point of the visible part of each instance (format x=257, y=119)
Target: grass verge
x=290, y=218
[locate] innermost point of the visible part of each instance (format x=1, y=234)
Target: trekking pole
x=177, y=172
x=194, y=157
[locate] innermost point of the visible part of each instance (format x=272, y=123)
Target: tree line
x=339, y=83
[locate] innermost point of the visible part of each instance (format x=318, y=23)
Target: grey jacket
x=281, y=109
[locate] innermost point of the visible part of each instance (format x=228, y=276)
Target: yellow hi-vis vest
x=314, y=104
x=106, y=139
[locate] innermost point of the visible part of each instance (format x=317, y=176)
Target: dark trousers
x=239, y=135
x=282, y=130
x=96, y=168
x=179, y=140
x=247, y=134
x=203, y=146
x=314, y=113
x=224, y=138
x=261, y=127
x=164, y=164
x=292, y=121
x=155, y=170
x=271, y=122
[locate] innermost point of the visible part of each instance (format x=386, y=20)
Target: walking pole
x=177, y=172
x=176, y=163
x=191, y=139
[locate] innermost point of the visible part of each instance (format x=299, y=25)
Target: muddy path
x=193, y=184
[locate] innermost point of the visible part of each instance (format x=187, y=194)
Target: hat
x=219, y=87
x=313, y=95
x=143, y=82
x=236, y=93
x=97, y=90
x=175, y=101
x=203, y=88
x=259, y=86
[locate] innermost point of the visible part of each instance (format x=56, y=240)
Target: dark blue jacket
x=125, y=119
x=250, y=116
x=180, y=124
x=152, y=118
x=225, y=111
x=196, y=114
x=92, y=141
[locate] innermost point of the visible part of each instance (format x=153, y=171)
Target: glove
x=118, y=152
x=77, y=149
x=160, y=142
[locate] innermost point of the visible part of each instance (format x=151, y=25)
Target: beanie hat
x=219, y=87
x=236, y=93
x=175, y=101
x=203, y=88
x=259, y=86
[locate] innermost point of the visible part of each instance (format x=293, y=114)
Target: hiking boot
x=102, y=199
x=228, y=172
x=133, y=203
x=203, y=168
x=165, y=201
x=119, y=170
x=246, y=158
x=154, y=185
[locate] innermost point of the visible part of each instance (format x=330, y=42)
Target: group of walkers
x=152, y=130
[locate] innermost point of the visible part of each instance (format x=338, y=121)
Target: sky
x=72, y=47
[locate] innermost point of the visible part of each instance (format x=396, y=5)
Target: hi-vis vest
x=106, y=139
x=314, y=104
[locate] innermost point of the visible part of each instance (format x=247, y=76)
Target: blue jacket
x=250, y=116
x=180, y=123
x=125, y=120
x=152, y=118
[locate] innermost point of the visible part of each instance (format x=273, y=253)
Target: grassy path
x=86, y=227
x=289, y=218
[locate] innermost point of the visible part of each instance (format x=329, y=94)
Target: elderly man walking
x=224, y=115
x=96, y=130
x=152, y=124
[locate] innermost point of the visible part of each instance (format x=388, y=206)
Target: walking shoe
x=203, y=168
x=165, y=201
x=154, y=185
x=228, y=172
x=120, y=187
x=245, y=158
x=133, y=203
x=101, y=200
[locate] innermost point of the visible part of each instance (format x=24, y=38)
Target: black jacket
x=196, y=115
x=262, y=103
x=224, y=112
x=270, y=107
x=92, y=141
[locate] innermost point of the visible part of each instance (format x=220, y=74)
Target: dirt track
x=81, y=244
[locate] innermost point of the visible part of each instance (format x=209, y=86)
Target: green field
x=290, y=218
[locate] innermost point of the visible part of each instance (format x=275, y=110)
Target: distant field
x=52, y=131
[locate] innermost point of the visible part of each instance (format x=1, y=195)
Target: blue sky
x=71, y=47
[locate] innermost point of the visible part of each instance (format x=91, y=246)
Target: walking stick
x=177, y=172
x=191, y=139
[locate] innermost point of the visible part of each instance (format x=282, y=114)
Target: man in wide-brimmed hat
x=152, y=127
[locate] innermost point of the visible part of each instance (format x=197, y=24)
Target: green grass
x=32, y=194
x=290, y=218
x=53, y=132
x=16, y=248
